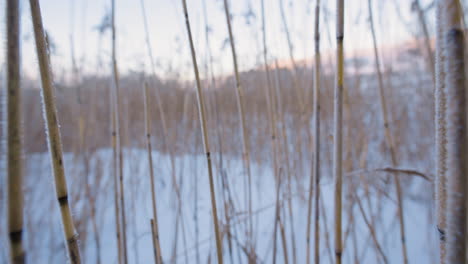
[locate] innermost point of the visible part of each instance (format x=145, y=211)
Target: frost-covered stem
x=154, y=225
x=14, y=135
x=240, y=106
x=201, y=111
x=389, y=139
x=441, y=134
x=53, y=135
x=338, y=131
x=456, y=115
x=315, y=177
x=118, y=139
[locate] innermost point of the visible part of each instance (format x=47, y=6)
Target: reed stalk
x=427, y=39
x=245, y=145
x=271, y=98
x=154, y=221
x=116, y=133
x=315, y=179
x=441, y=135
x=53, y=135
x=155, y=243
x=162, y=114
x=206, y=146
x=299, y=94
x=338, y=131
x=372, y=230
x=283, y=239
x=300, y=98
x=277, y=214
x=456, y=128
x=115, y=178
x=389, y=139
x=283, y=147
x=14, y=135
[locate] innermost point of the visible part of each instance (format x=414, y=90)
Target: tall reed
x=53, y=134
x=14, y=134
x=315, y=179
x=162, y=115
x=206, y=146
x=154, y=221
x=441, y=134
x=116, y=134
x=245, y=138
x=273, y=100
x=115, y=178
x=456, y=125
x=389, y=138
x=338, y=130
x=427, y=38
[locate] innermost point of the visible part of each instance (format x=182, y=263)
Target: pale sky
x=79, y=18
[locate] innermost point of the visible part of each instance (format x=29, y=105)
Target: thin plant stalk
x=53, y=135
x=14, y=135
x=372, y=230
x=285, y=150
x=300, y=97
x=457, y=142
x=304, y=120
x=338, y=131
x=441, y=134
x=117, y=134
x=389, y=138
x=229, y=204
x=427, y=39
x=272, y=102
x=283, y=239
x=277, y=215
x=155, y=248
x=317, y=137
x=271, y=107
x=240, y=106
x=154, y=221
x=162, y=114
x=315, y=179
x=116, y=182
x=201, y=110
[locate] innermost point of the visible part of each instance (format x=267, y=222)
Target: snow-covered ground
x=44, y=240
